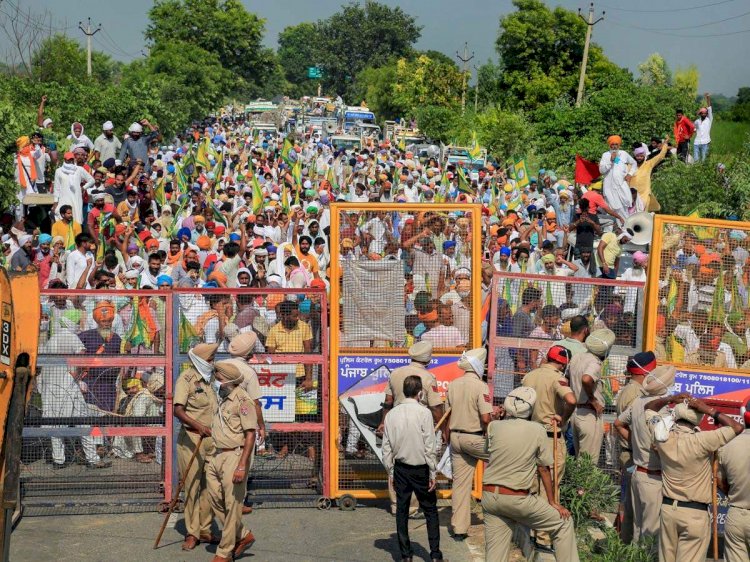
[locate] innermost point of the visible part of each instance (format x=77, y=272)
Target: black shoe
x=460, y=537
x=59, y=465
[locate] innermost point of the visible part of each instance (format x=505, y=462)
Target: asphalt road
x=283, y=534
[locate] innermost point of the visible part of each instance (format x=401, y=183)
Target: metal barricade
x=292, y=348
x=528, y=315
x=386, y=296
x=96, y=437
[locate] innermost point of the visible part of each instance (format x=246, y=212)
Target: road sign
x=314, y=72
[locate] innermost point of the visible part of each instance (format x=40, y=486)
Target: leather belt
x=647, y=471
x=467, y=432
x=222, y=450
x=553, y=435
x=679, y=503
x=495, y=489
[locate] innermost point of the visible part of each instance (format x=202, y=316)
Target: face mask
x=463, y=294
x=224, y=392
x=216, y=386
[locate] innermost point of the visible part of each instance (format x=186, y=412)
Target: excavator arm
x=20, y=312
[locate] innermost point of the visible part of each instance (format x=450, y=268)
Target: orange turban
x=614, y=139
x=430, y=316
x=104, y=310
x=218, y=276
x=203, y=242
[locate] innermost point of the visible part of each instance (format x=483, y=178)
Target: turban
x=57, y=239
x=104, y=310
x=640, y=257
x=558, y=354
x=684, y=412
x=203, y=242
x=596, y=186
x=135, y=128
x=430, y=316
x=641, y=363
x=640, y=151
x=505, y=251
x=347, y=243
x=449, y=244
x=45, y=238
x=133, y=383
x=155, y=382
x=218, y=276
x=162, y=279
x=184, y=231
x=520, y=402
x=737, y=235
x=25, y=239
x=22, y=142
x=205, y=351
x=614, y=139
x=600, y=342
x=229, y=372
x=242, y=344
x=659, y=380
x=548, y=258
x=199, y=219
x=421, y=351
x=473, y=360
x=107, y=126
x=317, y=284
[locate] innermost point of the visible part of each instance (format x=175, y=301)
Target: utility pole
x=465, y=60
x=476, y=90
x=89, y=34
x=590, y=23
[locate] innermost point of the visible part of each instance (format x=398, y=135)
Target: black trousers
x=682, y=150
x=408, y=479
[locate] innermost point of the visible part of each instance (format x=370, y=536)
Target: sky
x=684, y=32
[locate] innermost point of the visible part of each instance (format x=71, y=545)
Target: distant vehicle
x=459, y=155
x=356, y=115
x=255, y=108
x=367, y=131
x=408, y=137
x=347, y=142
x=263, y=129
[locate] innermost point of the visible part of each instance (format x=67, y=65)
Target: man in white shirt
x=79, y=262
x=107, y=145
x=703, y=131
x=410, y=458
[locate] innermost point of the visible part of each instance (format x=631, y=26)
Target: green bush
x=612, y=549
x=585, y=489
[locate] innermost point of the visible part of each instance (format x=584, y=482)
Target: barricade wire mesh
x=405, y=276
x=290, y=360
x=95, y=430
x=530, y=313
x=701, y=309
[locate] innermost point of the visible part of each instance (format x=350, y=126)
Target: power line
x=113, y=45
x=697, y=26
x=687, y=36
x=617, y=8
x=39, y=25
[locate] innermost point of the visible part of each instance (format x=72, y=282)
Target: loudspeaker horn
x=640, y=228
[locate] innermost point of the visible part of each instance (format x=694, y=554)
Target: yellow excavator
x=20, y=313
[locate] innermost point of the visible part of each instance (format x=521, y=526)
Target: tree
x=59, y=59
x=357, y=37
x=504, y=134
x=541, y=52
x=439, y=124
x=423, y=81
x=223, y=28
x=297, y=52
x=654, y=71
x=687, y=79
x=489, y=82
x=376, y=86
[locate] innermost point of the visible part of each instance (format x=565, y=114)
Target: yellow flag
x=522, y=174
x=475, y=151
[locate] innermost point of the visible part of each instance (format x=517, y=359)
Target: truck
x=459, y=155
x=357, y=115
x=347, y=142
x=255, y=108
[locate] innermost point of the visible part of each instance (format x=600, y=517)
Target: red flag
x=586, y=171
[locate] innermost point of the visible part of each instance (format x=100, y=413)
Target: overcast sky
x=706, y=36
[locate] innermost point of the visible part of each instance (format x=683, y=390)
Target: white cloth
x=703, y=128
x=616, y=189
x=68, y=189
x=75, y=267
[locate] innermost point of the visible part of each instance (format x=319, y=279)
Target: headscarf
x=473, y=360
x=26, y=177
x=201, y=356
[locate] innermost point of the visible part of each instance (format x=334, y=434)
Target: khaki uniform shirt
x=235, y=415
x=586, y=364
x=468, y=398
x=395, y=386
x=551, y=389
x=734, y=464
x=250, y=384
x=409, y=437
x=625, y=398
x=641, y=436
x=686, y=461
x=516, y=447
x=193, y=392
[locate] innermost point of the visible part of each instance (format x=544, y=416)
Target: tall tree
x=541, y=52
x=297, y=52
x=357, y=37
x=223, y=28
x=654, y=71
x=687, y=79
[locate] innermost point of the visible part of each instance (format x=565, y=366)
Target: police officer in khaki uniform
x=241, y=348
x=554, y=400
x=734, y=474
x=233, y=428
x=586, y=382
x=633, y=426
x=685, y=527
x=519, y=452
x=471, y=411
x=421, y=355
x=636, y=369
x=194, y=405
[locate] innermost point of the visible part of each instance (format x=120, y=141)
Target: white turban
x=135, y=128
x=520, y=402
x=473, y=360
x=108, y=126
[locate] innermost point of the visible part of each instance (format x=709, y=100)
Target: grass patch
x=728, y=137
